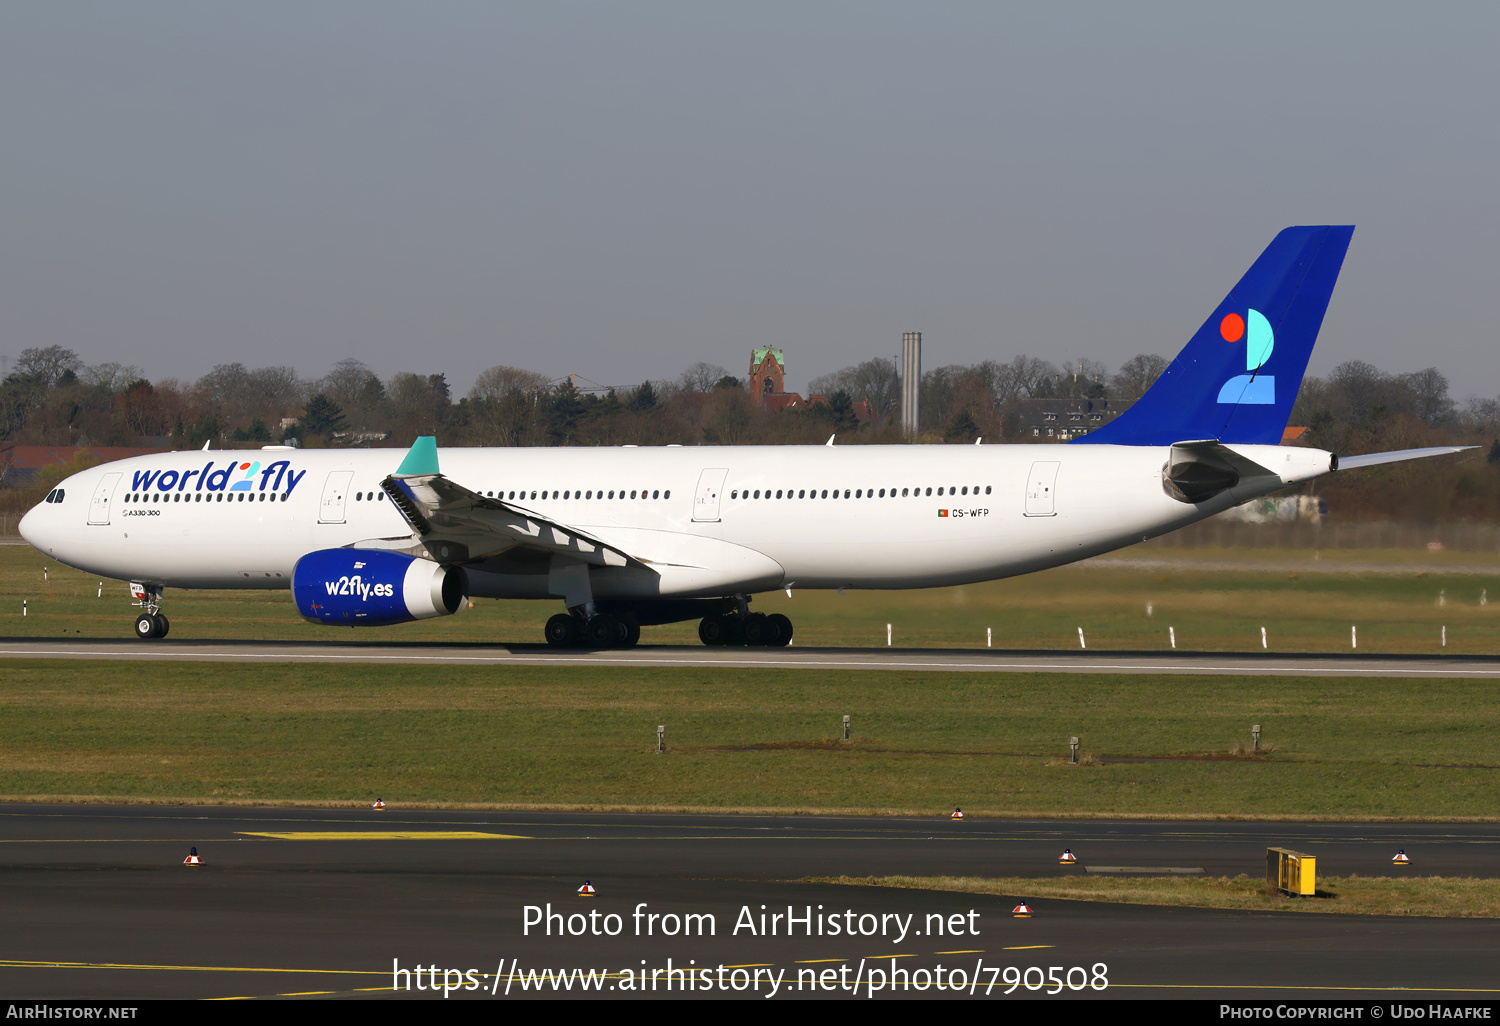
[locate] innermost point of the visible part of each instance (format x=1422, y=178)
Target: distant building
x=19, y=464
x=768, y=385
x=767, y=372
x=1066, y=419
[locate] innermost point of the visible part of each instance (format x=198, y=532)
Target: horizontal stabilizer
x=1374, y=459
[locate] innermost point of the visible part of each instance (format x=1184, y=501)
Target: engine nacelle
x=372, y=588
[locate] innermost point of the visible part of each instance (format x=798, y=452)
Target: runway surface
x=327, y=902
x=950, y=660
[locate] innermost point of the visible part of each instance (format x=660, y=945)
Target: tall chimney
x=911, y=382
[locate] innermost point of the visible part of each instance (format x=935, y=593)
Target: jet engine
x=372, y=588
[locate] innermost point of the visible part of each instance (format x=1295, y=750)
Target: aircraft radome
x=630, y=537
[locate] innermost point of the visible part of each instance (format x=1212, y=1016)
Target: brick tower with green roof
x=767, y=371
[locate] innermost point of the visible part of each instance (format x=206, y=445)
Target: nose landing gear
x=151, y=623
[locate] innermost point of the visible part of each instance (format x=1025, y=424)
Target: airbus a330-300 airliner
x=630, y=537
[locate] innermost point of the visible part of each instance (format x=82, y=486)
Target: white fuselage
x=713, y=520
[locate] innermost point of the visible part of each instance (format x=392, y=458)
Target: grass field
x=995, y=744
x=764, y=740
x=1215, y=602
x=1454, y=897
x=751, y=739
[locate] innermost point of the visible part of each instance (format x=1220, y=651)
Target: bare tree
x=874, y=381
x=227, y=389
x=346, y=382
x=500, y=381
x=701, y=377
x=1137, y=375
x=1031, y=378
x=275, y=389
x=420, y=401
x=48, y=364
x=112, y=376
x=1429, y=395
x=1481, y=416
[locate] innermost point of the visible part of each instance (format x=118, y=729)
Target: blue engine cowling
x=372, y=588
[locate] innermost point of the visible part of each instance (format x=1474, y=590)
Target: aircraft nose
x=32, y=529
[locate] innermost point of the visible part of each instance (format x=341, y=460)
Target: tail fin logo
x=1252, y=388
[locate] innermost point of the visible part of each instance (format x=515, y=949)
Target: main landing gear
x=774, y=631
x=151, y=623
x=602, y=630
x=617, y=624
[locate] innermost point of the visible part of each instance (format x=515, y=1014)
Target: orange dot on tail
x=1232, y=327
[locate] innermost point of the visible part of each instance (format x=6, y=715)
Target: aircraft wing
x=1376, y=458
x=457, y=525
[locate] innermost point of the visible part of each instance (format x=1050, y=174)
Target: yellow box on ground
x=1292, y=872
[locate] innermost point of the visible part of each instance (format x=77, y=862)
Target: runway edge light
x=1401, y=859
x=379, y=805
x=587, y=890
x=192, y=859
x=957, y=814
x=1067, y=858
x=1022, y=911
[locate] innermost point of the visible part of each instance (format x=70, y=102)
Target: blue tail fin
x=1238, y=377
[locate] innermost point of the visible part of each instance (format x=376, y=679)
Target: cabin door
x=335, y=494
x=1041, y=490
x=706, y=498
x=99, y=504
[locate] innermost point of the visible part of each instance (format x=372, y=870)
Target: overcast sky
x=621, y=189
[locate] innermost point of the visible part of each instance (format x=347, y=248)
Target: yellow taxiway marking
x=15, y=963
x=383, y=835
x=1029, y=947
